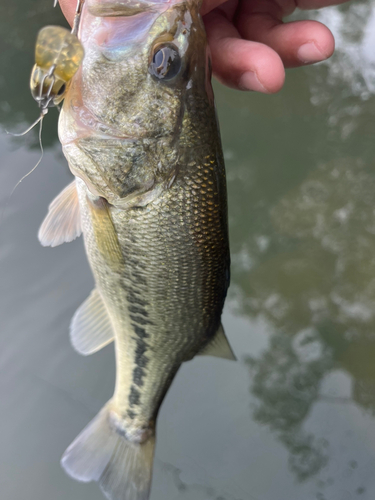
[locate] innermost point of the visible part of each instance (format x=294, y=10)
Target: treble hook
x=77, y=17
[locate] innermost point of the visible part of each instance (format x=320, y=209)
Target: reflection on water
x=194, y=491
x=353, y=64
x=287, y=387
x=319, y=297
x=301, y=315
x=309, y=267
x=347, y=83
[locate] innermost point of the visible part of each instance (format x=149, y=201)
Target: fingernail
x=310, y=53
x=250, y=81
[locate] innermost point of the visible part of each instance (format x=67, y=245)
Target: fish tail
x=101, y=453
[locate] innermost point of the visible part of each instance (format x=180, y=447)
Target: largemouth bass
x=138, y=128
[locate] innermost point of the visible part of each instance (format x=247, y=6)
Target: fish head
x=140, y=97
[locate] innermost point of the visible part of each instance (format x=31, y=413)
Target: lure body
x=58, y=55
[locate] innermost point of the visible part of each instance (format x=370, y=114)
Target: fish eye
x=166, y=62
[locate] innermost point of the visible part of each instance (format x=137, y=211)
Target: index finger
x=317, y=4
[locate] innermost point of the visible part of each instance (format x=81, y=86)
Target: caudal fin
x=100, y=453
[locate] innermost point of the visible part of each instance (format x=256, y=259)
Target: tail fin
x=101, y=453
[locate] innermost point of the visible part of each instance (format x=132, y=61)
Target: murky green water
x=294, y=418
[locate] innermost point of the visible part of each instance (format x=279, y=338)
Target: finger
x=289, y=6
x=208, y=5
x=242, y=64
x=68, y=8
x=297, y=43
x=317, y=4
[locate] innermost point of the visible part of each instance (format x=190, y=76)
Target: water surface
x=294, y=418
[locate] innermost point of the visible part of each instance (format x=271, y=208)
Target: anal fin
x=218, y=346
x=90, y=328
x=63, y=221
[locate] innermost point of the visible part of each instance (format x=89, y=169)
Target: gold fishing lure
x=58, y=55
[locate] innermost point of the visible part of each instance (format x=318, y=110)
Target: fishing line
x=30, y=128
x=40, y=121
x=66, y=53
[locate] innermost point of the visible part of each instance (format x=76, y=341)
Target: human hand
x=250, y=45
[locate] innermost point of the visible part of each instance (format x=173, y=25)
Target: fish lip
x=127, y=9
x=86, y=124
x=94, y=135
x=101, y=135
x=92, y=127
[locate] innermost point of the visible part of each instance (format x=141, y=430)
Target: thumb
x=68, y=8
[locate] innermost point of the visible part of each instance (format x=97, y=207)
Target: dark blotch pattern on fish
x=140, y=358
x=140, y=332
x=134, y=299
x=140, y=320
x=138, y=310
x=138, y=375
x=134, y=396
x=141, y=361
x=138, y=315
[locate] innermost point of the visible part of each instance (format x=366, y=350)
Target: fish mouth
x=97, y=133
x=88, y=125
x=125, y=8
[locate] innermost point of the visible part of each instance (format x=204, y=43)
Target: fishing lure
x=58, y=56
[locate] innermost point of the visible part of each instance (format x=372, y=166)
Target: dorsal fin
x=218, y=346
x=63, y=221
x=90, y=328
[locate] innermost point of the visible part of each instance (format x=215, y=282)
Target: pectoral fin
x=91, y=329
x=219, y=346
x=105, y=233
x=63, y=221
